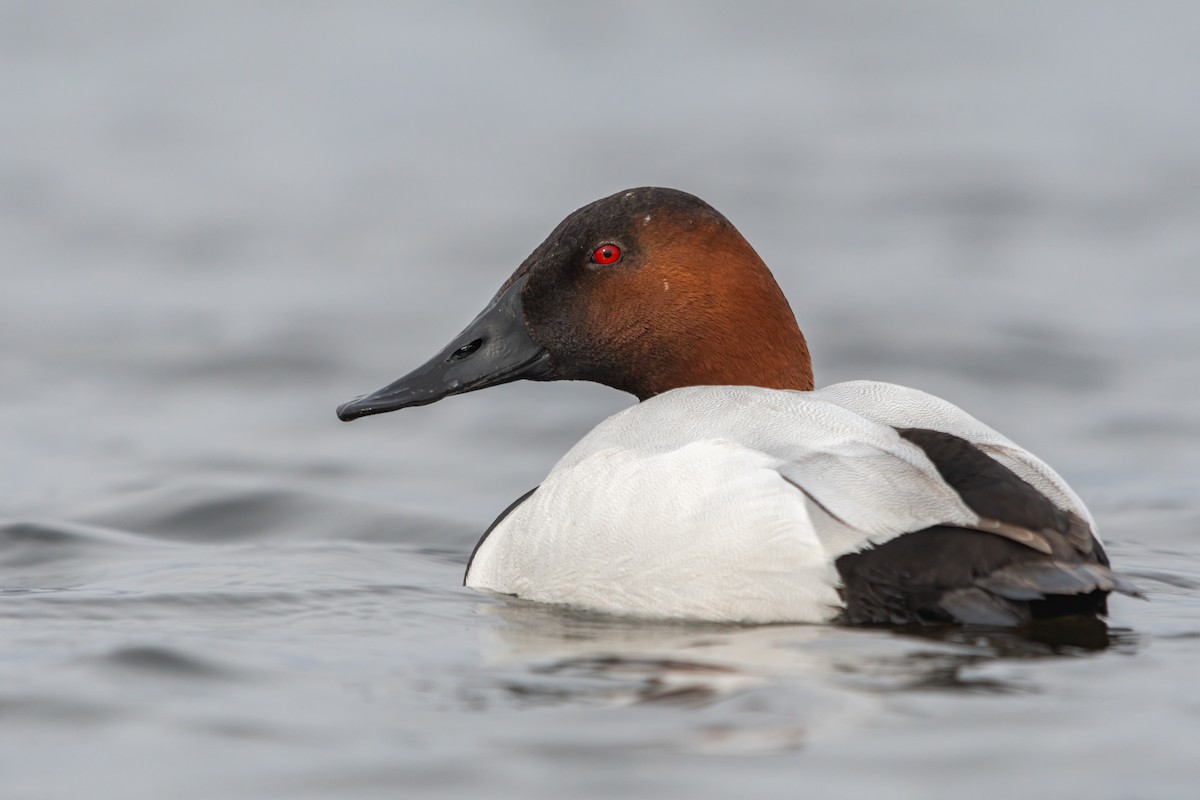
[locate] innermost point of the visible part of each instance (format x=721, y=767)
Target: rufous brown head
x=646, y=290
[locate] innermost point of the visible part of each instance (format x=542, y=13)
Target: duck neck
x=765, y=353
x=728, y=324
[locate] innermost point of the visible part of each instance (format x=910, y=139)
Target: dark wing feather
x=1029, y=559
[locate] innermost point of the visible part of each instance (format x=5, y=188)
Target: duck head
x=644, y=291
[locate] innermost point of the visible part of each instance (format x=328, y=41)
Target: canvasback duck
x=733, y=491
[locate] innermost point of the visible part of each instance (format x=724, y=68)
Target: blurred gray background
x=220, y=220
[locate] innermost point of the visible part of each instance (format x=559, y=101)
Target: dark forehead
x=617, y=214
x=618, y=217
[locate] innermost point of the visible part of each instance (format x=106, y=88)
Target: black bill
x=494, y=349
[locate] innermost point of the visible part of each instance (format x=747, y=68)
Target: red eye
x=607, y=254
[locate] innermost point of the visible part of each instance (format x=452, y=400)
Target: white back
x=902, y=407
x=732, y=502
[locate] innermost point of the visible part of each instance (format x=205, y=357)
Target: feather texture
x=738, y=503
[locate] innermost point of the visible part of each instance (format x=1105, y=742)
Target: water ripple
x=163, y=662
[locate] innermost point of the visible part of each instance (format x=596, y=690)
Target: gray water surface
x=219, y=221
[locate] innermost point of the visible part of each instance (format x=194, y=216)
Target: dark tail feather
x=1036, y=580
x=945, y=574
x=974, y=606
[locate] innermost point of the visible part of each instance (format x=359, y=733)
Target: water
x=218, y=222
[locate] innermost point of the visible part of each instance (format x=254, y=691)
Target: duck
x=733, y=491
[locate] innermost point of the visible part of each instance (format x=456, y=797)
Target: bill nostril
x=466, y=350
